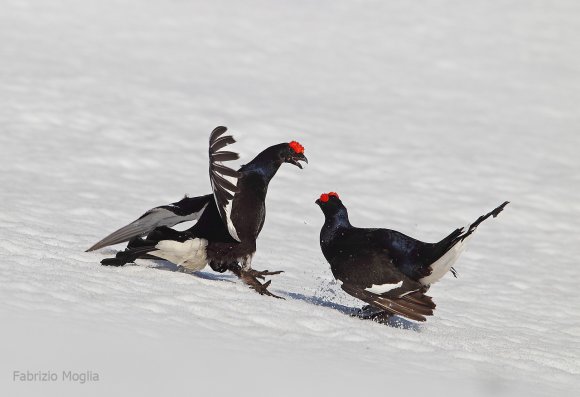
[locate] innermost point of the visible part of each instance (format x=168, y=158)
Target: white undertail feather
x=444, y=264
x=190, y=254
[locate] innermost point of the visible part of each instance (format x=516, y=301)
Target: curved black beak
x=317, y=202
x=296, y=158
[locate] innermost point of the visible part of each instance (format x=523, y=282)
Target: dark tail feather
x=127, y=256
x=450, y=240
x=482, y=218
x=461, y=234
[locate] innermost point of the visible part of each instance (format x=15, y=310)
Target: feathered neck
x=265, y=164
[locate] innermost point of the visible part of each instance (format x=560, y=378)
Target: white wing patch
x=190, y=254
x=227, y=210
x=384, y=288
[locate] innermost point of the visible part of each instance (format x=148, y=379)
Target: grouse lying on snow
x=228, y=221
x=384, y=268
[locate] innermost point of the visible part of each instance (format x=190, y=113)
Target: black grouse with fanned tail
x=388, y=270
x=228, y=221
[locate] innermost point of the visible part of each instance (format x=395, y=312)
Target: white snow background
x=423, y=115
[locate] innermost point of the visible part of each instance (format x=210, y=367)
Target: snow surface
x=421, y=114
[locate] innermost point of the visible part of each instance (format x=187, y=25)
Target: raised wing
x=187, y=209
x=223, y=179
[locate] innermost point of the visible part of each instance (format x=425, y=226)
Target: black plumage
x=228, y=222
x=384, y=268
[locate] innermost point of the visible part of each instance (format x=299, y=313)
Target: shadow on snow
x=395, y=321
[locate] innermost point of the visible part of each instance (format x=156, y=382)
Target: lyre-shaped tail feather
x=223, y=179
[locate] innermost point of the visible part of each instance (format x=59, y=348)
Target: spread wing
x=188, y=209
x=223, y=179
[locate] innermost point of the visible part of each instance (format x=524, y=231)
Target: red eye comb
x=326, y=196
x=298, y=148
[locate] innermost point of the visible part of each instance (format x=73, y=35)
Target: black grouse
x=228, y=221
x=388, y=270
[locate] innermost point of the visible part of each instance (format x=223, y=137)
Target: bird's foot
x=251, y=276
x=372, y=313
x=366, y=312
x=260, y=288
x=260, y=274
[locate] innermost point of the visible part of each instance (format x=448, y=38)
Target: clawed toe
x=262, y=289
x=257, y=286
x=261, y=274
x=252, y=277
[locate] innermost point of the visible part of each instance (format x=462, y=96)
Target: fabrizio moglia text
x=56, y=376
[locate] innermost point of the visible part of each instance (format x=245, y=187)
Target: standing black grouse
x=384, y=268
x=228, y=221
